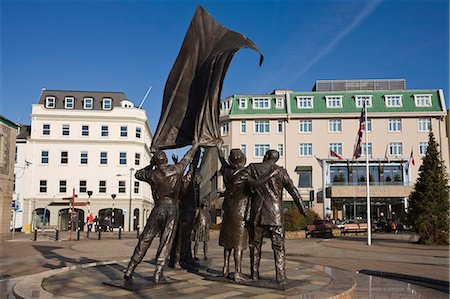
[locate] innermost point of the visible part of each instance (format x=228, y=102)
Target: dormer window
x=69, y=102
x=422, y=100
x=261, y=103
x=107, y=104
x=279, y=103
x=334, y=101
x=50, y=102
x=305, y=102
x=88, y=103
x=361, y=99
x=242, y=103
x=393, y=100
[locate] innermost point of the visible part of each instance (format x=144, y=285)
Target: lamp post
x=89, y=193
x=112, y=213
x=129, y=203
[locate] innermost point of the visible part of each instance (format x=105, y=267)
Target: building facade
x=315, y=133
x=7, y=153
x=88, y=145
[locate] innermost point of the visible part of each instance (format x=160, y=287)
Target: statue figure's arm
x=188, y=157
x=290, y=188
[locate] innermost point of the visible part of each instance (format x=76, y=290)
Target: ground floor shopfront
x=48, y=214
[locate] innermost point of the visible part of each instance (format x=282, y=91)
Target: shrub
x=294, y=221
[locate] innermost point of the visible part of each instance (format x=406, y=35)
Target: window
x=393, y=100
x=244, y=149
x=136, y=187
x=279, y=103
x=339, y=174
x=305, y=102
x=68, y=103
x=243, y=103
x=226, y=106
x=280, y=125
x=105, y=131
x=138, y=132
x=243, y=127
x=42, y=186
x=106, y=104
x=65, y=130
x=334, y=101
x=395, y=149
x=334, y=125
x=44, y=157
x=305, y=126
x=262, y=126
x=50, y=102
x=84, y=158
x=423, y=148
x=424, y=124
x=62, y=186
x=123, y=131
x=369, y=125
x=336, y=147
x=83, y=187
x=261, y=149
x=304, y=176
x=361, y=99
x=64, y=157
x=85, y=130
x=422, y=100
x=137, y=159
x=102, y=187
x=305, y=149
x=394, y=125
x=123, y=158
x=46, y=129
x=103, y=158
x=263, y=103
x=122, y=188
x=280, y=149
x=88, y=103
x=225, y=129
x=226, y=151
x=393, y=174
x=363, y=148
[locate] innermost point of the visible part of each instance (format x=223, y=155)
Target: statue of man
x=266, y=213
x=166, y=182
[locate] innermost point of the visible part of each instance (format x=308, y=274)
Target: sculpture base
x=138, y=283
x=263, y=282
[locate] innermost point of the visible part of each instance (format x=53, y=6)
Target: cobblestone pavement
x=81, y=266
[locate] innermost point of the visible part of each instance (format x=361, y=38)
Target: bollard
x=35, y=235
x=120, y=232
x=56, y=234
x=137, y=231
x=78, y=234
x=87, y=234
x=99, y=234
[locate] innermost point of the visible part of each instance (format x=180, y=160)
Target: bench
x=354, y=228
x=318, y=230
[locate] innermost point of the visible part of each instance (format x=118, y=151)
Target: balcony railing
x=391, y=183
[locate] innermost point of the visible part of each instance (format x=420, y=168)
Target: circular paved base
x=87, y=282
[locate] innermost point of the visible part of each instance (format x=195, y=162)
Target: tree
x=429, y=201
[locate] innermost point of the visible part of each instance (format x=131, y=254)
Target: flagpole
x=369, y=222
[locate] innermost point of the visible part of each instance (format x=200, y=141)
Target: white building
x=82, y=141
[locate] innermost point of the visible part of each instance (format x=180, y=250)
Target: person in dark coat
x=266, y=213
x=200, y=234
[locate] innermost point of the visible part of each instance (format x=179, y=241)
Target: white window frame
x=243, y=127
x=388, y=98
x=137, y=159
x=82, y=187
x=86, y=105
x=123, y=131
x=423, y=100
x=280, y=126
x=359, y=100
x=122, y=187
x=62, y=186
x=45, y=156
x=244, y=148
x=422, y=123
x=395, y=149
x=102, y=185
x=305, y=150
x=104, y=158
x=138, y=132
x=242, y=103
x=66, y=158
x=423, y=148
x=225, y=129
x=279, y=103
x=104, y=103
x=85, y=130
x=136, y=187
x=46, y=131
x=305, y=102
x=280, y=149
x=394, y=125
x=262, y=127
x=102, y=127
x=123, y=158
x=67, y=100
x=259, y=150
x=305, y=124
x=84, y=155
x=334, y=101
x=42, y=186
x=368, y=125
x=65, y=128
x=50, y=102
x=336, y=147
x=363, y=149
x=261, y=103
x=335, y=125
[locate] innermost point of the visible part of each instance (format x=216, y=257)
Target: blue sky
x=130, y=45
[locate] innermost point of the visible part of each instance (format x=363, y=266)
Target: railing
x=392, y=183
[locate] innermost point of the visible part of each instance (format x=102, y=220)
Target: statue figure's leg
x=165, y=244
x=277, y=236
x=205, y=250
x=256, y=236
x=238, y=265
x=226, y=262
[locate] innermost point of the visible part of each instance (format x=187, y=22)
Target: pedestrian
x=200, y=234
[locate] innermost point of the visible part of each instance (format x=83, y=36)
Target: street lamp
x=129, y=203
x=112, y=213
x=89, y=193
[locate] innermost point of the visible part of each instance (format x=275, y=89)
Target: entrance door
x=135, y=219
x=77, y=219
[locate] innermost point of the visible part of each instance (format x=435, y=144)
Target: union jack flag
x=362, y=124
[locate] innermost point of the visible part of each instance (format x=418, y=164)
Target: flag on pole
x=411, y=158
x=334, y=154
x=358, y=149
